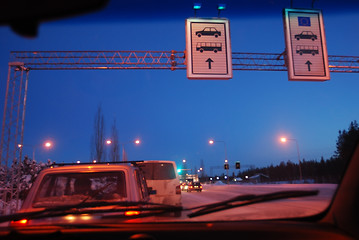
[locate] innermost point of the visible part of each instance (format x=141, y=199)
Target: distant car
x=195, y=186
x=209, y=31
x=184, y=186
x=163, y=180
x=68, y=185
x=306, y=35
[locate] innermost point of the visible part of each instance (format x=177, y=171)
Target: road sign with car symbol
x=208, y=49
x=307, y=57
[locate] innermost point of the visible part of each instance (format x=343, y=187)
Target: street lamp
x=284, y=140
x=225, y=148
x=46, y=144
x=124, y=157
x=211, y=141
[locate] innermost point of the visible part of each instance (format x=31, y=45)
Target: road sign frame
x=306, y=51
x=208, y=56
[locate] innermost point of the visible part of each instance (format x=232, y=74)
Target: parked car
x=163, y=180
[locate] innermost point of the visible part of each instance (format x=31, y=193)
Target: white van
x=163, y=180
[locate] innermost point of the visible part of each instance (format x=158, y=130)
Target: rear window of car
x=158, y=171
x=67, y=188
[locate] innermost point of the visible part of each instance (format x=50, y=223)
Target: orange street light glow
x=137, y=141
x=211, y=141
x=48, y=144
x=283, y=139
x=108, y=142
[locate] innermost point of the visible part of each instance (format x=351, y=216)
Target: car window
x=158, y=171
x=71, y=188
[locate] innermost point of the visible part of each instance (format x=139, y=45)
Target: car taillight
x=21, y=222
x=178, y=189
x=132, y=213
x=200, y=186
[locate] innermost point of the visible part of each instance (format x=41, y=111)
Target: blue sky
x=175, y=117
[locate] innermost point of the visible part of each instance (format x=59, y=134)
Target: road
x=292, y=207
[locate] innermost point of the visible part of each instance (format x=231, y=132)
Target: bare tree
x=114, y=154
x=98, y=139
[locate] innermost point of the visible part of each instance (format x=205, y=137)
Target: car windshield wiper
x=93, y=207
x=244, y=200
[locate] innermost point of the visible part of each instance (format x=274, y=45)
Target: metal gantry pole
x=12, y=132
x=170, y=60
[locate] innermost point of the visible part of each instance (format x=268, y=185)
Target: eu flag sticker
x=304, y=21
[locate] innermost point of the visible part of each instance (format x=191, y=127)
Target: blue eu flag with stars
x=304, y=21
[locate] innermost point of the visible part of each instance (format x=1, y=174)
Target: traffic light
x=226, y=166
x=238, y=165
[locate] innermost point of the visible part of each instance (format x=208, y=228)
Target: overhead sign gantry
x=208, y=49
x=307, y=57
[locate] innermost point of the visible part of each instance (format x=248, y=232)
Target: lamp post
x=225, y=148
x=284, y=140
x=225, y=154
x=46, y=144
x=124, y=156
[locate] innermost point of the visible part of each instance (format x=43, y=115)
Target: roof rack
x=94, y=163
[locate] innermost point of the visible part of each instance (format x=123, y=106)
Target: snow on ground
x=287, y=208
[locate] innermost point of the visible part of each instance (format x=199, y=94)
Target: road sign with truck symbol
x=307, y=57
x=208, y=49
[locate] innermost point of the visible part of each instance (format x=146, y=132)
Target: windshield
x=243, y=100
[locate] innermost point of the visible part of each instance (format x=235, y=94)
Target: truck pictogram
x=304, y=49
x=208, y=46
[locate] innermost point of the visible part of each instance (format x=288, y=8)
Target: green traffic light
x=221, y=6
x=197, y=6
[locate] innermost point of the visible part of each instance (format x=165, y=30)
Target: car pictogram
x=306, y=35
x=208, y=31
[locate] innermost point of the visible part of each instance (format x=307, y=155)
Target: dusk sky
x=175, y=117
